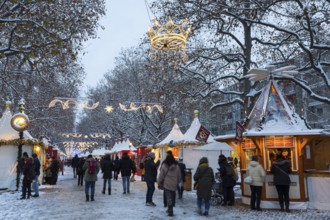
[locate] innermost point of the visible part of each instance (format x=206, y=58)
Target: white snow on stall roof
x=175, y=135
x=191, y=133
x=6, y=130
x=273, y=113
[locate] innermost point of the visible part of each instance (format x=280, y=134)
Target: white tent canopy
x=8, y=153
x=100, y=152
x=191, y=133
x=214, y=146
x=175, y=135
x=122, y=146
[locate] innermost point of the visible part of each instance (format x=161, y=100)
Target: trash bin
x=188, y=183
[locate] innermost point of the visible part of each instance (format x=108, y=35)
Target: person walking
x=228, y=178
x=127, y=168
x=29, y=175
x=257, y=174
x=80, y=171
x=54, y=168
x=169, y=178
x=116, y=168
x=150, y=176
x=204, y=177
x=281, y=170
x=91, y=168
x=183, y=177
x=37, y=165
x=74, y=164
x=107, y=168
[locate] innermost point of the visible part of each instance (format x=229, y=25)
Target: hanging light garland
x=67, y=102
x=149, y=107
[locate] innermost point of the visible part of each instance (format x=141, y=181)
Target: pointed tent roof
x=191, y=133
x=175, y=135
x=6, y=130
x=272, y=113
x=121, y=146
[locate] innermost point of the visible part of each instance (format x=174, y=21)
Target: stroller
x=217, y=196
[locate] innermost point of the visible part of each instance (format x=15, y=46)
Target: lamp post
x=20, y=123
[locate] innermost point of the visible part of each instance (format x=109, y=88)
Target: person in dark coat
x=28, y=172
x=54, y=168
x=116, y=168
x=37, y=166
x=74, y=164
x=204, y=177
x=281, y=169
x=127, y=168
x=228, y=181
x=107, y=168
x=183, y=177
x=150, y=176
x=80, y=171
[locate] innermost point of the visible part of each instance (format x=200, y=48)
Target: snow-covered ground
x=67, y=201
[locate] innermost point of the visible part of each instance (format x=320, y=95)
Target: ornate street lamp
x=20, y=122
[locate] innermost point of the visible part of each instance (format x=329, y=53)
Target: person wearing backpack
x=227, y=174
x=91, y=168
x=127, y=167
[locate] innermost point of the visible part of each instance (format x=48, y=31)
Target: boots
x=170, y=211
x=103, y=191
x=109, y=191
x=87, y=198
x=92, y=198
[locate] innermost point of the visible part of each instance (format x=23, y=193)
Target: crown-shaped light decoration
x=270, y=72
x=169, y=39
x=169, y=36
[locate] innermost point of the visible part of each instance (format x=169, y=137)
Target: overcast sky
x=126, y=22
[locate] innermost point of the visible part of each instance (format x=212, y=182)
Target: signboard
x=202, y=134
x=239, y=131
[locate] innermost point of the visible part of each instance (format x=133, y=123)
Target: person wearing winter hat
x=257, y=174
x=150, y=176
x=204, y=177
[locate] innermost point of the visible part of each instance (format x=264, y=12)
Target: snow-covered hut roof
x=121, y=146
x=175, y=135
x=191, y=133
x=7, y=132
x=273, y=114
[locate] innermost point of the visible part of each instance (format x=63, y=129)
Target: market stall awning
x=214, y=146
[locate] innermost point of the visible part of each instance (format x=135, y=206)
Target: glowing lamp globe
x=20, y=122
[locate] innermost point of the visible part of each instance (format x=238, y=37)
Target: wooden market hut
x=274, y=128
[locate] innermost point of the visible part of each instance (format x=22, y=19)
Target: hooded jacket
x=169, y=176
x=257, y=173
x=205, y=177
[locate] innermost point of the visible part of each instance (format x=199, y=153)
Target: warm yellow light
x=169, y=36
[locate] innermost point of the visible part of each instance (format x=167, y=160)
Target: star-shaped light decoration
x=108, y=109
x=270, y=72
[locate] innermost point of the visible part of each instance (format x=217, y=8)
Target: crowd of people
x=170, y=179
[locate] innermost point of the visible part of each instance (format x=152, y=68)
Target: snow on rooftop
x=175, y=135
x=6, y=130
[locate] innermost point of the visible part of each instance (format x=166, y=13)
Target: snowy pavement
x=67, y=201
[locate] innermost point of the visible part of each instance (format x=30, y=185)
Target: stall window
x=249, y=149
x=280, y=145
